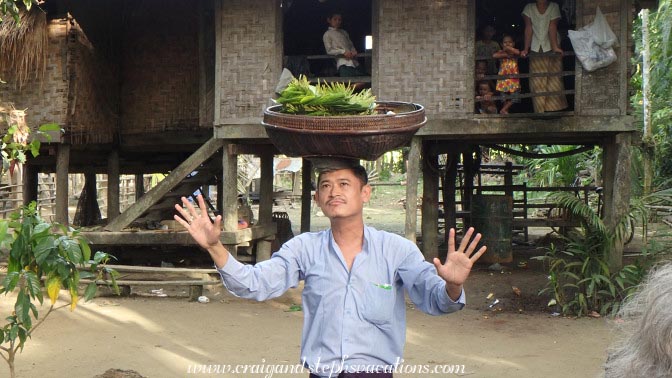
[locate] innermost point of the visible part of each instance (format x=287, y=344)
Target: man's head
x=342, y=188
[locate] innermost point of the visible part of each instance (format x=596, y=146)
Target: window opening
x=304, y=25
x=543, y=79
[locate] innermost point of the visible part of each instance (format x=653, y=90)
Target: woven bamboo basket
x=361, y=137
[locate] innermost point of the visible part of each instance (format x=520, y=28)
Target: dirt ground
x=170, y=337
x=155, y=336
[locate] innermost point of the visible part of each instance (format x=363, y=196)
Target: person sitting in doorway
x=337, y=43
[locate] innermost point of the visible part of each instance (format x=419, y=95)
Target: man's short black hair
x=329, y=165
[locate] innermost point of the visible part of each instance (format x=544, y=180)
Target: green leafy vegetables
x=325, y=99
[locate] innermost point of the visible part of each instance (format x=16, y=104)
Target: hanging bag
x=593, y=43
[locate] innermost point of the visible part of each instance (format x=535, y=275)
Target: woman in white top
x=541, y=35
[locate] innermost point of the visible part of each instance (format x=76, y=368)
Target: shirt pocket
x=379, y=303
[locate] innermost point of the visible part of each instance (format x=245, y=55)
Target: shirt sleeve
x=555, y=11
x=265, y=280
x=527, y=10
x=425, y=288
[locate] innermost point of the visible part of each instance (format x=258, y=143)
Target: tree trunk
x=647, y=137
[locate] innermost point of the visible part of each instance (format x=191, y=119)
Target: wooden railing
x=516, y=96
x=328, y=79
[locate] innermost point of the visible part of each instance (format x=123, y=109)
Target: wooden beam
x=430, y=206
x=229, y=195
x=252, y=149
x=246, y=235
x=624, y=55
x=218, y=63
x=412, y=178
x=249, y=129
x=154, y=269
x=62, y=170
x=448, y=191
x=306, y=194
x=113, y=180
x=265, y=203
x=139, y=186
x=175, y=177
x=616, y=160
x=30, y=183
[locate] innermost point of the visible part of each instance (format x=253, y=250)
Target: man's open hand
x=198, y=223
x=459, y=262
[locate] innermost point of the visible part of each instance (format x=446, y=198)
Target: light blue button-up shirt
x=352, y=318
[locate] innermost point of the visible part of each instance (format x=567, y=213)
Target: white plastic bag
x=593, y=43
x=602, y=33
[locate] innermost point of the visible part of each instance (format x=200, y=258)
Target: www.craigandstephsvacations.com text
x=268, y=370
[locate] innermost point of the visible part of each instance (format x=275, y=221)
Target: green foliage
x=660, y=54
x=561, y=171
x=325, y=99
x=15, y=144
x=13, y=7
x=579, y=274
x=40, y=249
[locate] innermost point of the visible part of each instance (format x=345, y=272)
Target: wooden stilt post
x=412, y=178
x=113, y=178
x=139, y=186
x=616, y=176
x=468, y=191
x=230, y=194
x=62, y=170
x=430, y=205
x=30, y=183
x=265, y=203
x=449, y=190
x=306, y=197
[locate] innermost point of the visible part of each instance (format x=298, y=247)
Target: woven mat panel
x=251, y=42
x=160, y=60
x=93, y=100
x=600, y=89
x=45, y=101
x=422, y=54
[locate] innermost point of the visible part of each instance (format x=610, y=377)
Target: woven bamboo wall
x=251, y=57
x=601, y=89
x=160, y=72
x=93, y=101
x=422, y=54
x=46, y=100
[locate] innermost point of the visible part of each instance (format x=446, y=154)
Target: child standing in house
x=508, y=65
x=486, y=46
x=337, y=43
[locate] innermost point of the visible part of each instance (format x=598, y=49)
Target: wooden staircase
x=202, y=167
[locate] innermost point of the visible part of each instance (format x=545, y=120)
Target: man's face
x=340, y=194
x=335, y=21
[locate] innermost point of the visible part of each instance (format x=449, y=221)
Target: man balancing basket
x=355, y=277
x=329, y=119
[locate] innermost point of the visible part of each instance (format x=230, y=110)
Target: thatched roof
x=23, y=47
